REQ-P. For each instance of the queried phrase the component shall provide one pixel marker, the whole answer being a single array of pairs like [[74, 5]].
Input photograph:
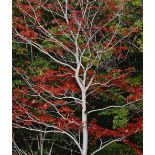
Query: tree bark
[[84, 128]]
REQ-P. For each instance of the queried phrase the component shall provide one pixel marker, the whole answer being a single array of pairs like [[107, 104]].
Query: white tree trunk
[[84, 128]]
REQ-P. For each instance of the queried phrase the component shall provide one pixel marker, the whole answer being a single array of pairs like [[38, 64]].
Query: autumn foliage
[[71, 80]]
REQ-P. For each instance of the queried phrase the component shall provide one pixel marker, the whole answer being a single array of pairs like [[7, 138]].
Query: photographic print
[[77, 77]]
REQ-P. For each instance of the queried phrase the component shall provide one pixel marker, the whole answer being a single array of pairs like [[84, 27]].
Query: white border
[[149, 77], [5, 77]]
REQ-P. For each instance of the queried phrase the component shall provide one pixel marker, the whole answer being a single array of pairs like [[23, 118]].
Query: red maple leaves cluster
[[27, 111]]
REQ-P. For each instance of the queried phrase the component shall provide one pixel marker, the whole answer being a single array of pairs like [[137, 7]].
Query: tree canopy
[[77, 77]]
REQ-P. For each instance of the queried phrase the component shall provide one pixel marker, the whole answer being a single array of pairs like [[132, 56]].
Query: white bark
[[85, 126]]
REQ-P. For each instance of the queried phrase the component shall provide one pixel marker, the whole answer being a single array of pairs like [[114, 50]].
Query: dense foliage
[[60, 47]]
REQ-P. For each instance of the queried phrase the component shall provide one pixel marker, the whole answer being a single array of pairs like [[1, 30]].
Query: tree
[[86, 41]]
